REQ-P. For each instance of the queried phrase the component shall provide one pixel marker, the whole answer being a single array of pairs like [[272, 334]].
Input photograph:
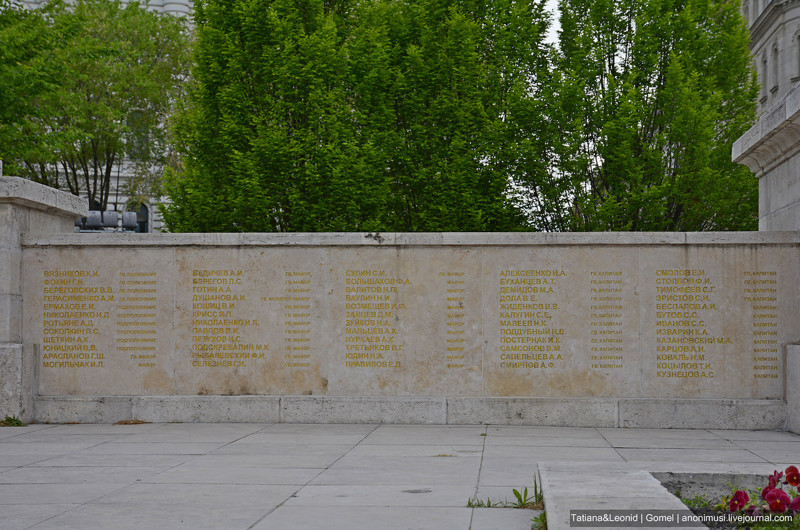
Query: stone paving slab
[[323, 429], [21, 447], [101, 428], [28, 515], [571, 486], [716, 444], [680, 434], [52, 437], [178, 436], [283, 448], [129, 516], [711, 467], [502, 494], [788, 445], [397, 495], [545, 441], [89, 460], [510, 471], [768, 436], [78, 475], [501, 518], [297, 476], [266, 438], [691, 455], [566, 433], [191, 473], [21, 459], [432, 450], [426, 471], [366, 518], [53, 493], [8, 432], [154, 448], [295, 459], [538, 453], [780, 458]]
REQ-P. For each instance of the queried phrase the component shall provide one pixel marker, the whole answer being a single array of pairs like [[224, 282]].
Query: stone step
[[605, 486]]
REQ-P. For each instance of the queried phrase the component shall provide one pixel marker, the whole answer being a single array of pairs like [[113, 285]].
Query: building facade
[[775, 46], [172, 7], [771, 148]]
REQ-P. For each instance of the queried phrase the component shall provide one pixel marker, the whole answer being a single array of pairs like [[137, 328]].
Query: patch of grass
[[475, 502], [529, 503], [523, 501], [12, 421], [539, 522], [131, 422], [698, 502]]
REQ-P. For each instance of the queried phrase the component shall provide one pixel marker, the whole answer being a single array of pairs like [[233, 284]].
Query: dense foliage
[[378, 115], [652, 94], [91, 84]]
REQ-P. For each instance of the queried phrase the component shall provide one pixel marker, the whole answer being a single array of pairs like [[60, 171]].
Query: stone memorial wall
[[482, 316], [637, 330]]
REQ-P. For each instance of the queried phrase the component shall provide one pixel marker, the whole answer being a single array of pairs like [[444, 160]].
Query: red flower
[[778, 500], [793, 475], [739, 500], [775, 478], [766, 491], [795, 505]]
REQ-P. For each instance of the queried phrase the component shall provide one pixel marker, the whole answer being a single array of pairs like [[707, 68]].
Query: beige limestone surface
[[470, 315]]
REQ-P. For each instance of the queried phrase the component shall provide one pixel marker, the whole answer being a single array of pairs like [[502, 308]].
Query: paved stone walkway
[[349, 477]]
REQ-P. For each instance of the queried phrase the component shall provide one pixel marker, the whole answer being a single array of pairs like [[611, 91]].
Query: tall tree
[[655, 92], [266, 120], [114, 72], [26, 68], [356, 115]]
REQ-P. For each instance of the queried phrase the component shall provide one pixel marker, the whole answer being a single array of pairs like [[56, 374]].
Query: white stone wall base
[[10, 380], [756, 414], [17, 380]]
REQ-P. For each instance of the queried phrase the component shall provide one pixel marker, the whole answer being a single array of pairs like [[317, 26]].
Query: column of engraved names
[[371, 316], [137, 324], [297, 319], [456, 322], [220, 317], [75, 308], [761, 295], [606, 322], [684, 303], [529, 335]]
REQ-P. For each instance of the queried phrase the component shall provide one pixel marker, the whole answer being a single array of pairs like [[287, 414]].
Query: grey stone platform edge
[[793, 388], [600, 486], [748, 414]]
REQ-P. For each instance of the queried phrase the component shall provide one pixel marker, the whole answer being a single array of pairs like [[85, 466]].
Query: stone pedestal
[[24, 207]]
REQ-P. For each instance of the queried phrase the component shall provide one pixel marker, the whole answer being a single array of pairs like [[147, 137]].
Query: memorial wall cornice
[[445, 239], [24, 192]]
